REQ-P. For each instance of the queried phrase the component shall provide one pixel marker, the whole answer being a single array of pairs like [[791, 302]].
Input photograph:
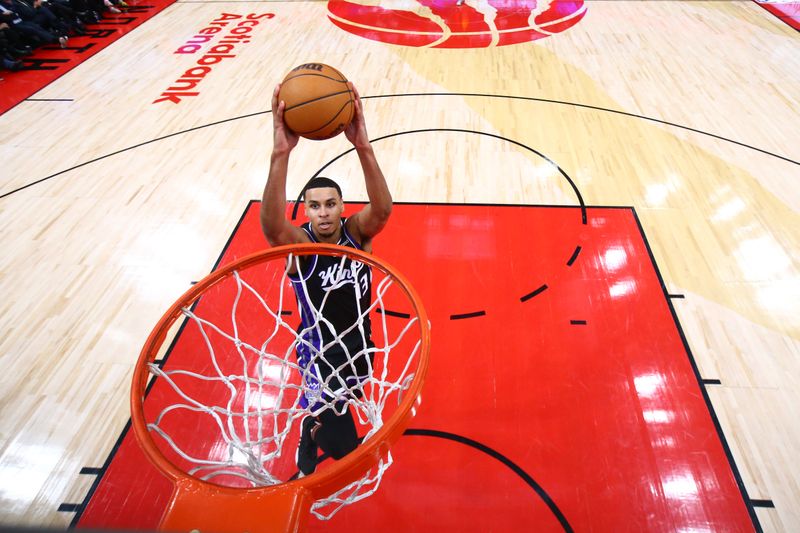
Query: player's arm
[[373, 217], [276, 228]]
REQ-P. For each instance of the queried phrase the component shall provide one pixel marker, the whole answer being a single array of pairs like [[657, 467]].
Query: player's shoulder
[[299, 234], [350, 224], [350, 229], [353, 233]]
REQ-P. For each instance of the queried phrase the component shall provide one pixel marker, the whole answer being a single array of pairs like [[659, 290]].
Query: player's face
[[324, 208]]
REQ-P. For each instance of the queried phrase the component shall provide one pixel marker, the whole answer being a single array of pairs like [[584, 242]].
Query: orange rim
[[317, 485]]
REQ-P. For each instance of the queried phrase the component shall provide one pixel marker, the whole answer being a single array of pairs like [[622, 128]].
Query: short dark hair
[[321, 182]]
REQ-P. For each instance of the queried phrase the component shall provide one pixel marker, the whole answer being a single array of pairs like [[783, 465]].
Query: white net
[[228, 402]]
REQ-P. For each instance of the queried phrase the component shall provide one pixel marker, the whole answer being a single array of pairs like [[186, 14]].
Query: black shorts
[[333, 377]]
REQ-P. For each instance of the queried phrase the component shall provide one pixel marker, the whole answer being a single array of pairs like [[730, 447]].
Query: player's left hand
[[356, 131], [283, 138]]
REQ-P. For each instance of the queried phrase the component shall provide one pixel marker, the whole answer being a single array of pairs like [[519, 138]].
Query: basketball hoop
[[222, 419]]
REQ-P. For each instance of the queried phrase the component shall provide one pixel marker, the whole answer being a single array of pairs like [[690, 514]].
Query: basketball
[[319, 103]]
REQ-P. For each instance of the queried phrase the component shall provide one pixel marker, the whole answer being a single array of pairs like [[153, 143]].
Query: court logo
[[236, 30], [446, 24]]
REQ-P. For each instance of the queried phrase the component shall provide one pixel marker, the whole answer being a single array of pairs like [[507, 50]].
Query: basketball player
[[329, 376]]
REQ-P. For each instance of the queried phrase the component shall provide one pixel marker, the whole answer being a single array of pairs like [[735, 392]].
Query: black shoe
[[14, 65], [89, 17], [306, 456]]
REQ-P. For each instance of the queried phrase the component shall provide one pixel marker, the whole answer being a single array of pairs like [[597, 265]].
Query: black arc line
[[463, 316], [533, 293], [507, 97], [396, 314], [453, 130], [592, 107], [574, 256], [416, 432], [494, 454]]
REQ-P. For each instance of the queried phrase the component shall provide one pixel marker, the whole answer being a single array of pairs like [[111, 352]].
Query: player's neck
[[330, 239], [333, 239]]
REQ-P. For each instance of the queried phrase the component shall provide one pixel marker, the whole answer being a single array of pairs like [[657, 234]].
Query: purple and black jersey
[[342, 290]]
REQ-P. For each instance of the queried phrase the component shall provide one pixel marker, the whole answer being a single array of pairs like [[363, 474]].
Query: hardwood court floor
[[686, 111]]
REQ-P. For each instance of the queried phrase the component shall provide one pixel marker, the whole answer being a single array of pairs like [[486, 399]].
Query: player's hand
[[356, 131], [283, 139]]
